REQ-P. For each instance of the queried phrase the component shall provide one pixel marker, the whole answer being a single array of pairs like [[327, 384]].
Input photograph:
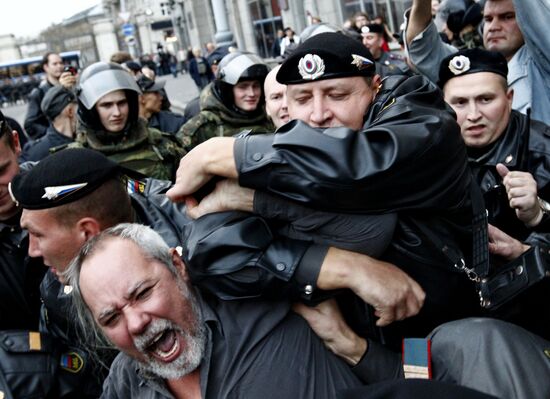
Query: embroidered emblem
[[459, 64], [311, 67], [135, 186], [71, 361], [56, 192], [361, 62]]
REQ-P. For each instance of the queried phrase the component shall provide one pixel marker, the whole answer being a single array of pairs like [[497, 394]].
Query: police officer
[[231, 103], [509, 155], [150, 107], [368, 146], [386, 63], [20, 276], [108, 113]]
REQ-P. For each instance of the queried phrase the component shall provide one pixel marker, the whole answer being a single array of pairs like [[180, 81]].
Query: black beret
[[55, 101], [469, 61], [327, 55], [372, 28], [62, 178], [148, 85]]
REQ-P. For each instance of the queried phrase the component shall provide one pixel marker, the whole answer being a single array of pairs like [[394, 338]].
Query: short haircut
[[46, 58], [109, 204], [6, 133]]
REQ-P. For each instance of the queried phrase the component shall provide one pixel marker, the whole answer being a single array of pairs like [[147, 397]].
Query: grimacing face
[[500, 30], [145, 311], [332, 102], [113, 111], [482, 105], [247, 95]]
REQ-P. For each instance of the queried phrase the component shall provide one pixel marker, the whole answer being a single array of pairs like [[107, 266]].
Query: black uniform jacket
[[409, 159], [524, 147]]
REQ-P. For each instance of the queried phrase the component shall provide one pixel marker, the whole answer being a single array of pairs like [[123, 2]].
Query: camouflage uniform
[[145, 150], [216, 119]]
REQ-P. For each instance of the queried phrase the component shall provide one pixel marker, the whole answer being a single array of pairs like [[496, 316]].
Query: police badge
[[311, 67], [361, 62], [459, 64]]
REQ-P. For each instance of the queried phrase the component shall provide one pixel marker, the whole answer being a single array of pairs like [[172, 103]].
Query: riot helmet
[[237, 67], [102, 78], [315, 29]]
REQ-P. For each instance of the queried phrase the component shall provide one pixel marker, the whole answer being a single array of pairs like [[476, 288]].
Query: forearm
[[419, 18]]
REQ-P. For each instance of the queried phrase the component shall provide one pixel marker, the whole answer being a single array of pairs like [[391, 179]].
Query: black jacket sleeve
[[409, 156], [235, 255], [36, 122]]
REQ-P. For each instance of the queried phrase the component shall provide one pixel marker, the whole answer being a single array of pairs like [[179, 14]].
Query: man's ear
[[16, 142], [87, 228], [179, 263]]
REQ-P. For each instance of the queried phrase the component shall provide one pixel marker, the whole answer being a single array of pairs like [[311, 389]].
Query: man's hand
[[521, 188], [227, 196], [214, 157], [392, 293], [67, 80], [501, 244], [327, 322]]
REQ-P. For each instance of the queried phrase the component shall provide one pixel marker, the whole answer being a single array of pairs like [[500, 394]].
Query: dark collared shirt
[[261, 350]]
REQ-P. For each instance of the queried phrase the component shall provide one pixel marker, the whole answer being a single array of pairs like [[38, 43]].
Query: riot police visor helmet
[[102, 78]]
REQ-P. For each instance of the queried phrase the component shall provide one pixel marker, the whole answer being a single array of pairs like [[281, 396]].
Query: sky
[[26, 18]]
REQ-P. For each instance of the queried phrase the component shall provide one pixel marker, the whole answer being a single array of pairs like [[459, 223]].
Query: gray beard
[[195, 341]]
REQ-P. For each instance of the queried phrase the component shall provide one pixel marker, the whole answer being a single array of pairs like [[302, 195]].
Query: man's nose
[[34, 248], [136, 320]]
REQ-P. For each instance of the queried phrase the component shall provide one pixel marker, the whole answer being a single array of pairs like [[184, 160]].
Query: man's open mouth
[[165, 345]]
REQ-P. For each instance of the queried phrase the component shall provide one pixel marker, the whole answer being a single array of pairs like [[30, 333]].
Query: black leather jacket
[[525, 147], [409, 158], [36, 122]]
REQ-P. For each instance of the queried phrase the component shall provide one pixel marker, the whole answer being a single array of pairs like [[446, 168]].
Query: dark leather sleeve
[[409, 156], [234, 255], [36, 122]]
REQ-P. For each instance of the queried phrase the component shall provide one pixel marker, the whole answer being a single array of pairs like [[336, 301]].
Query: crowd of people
[[352, 223]]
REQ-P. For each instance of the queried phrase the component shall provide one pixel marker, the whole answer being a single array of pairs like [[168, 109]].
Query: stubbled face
[[247, 95], [482, 105], [8, 169], [332, 102], [143, 309], [113, 111], [54, 67], [501, 31], [276, 106], [152, 102], [57, 244], [373, 41]]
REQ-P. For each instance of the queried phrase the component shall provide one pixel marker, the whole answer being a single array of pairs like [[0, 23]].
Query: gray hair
[[152, 247]]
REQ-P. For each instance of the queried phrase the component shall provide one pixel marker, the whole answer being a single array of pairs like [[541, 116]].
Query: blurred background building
[[145, 26]]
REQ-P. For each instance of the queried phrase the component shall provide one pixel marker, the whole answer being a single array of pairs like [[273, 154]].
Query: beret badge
[[361, 62], [311, 67], [52, 193], [459, 64]]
